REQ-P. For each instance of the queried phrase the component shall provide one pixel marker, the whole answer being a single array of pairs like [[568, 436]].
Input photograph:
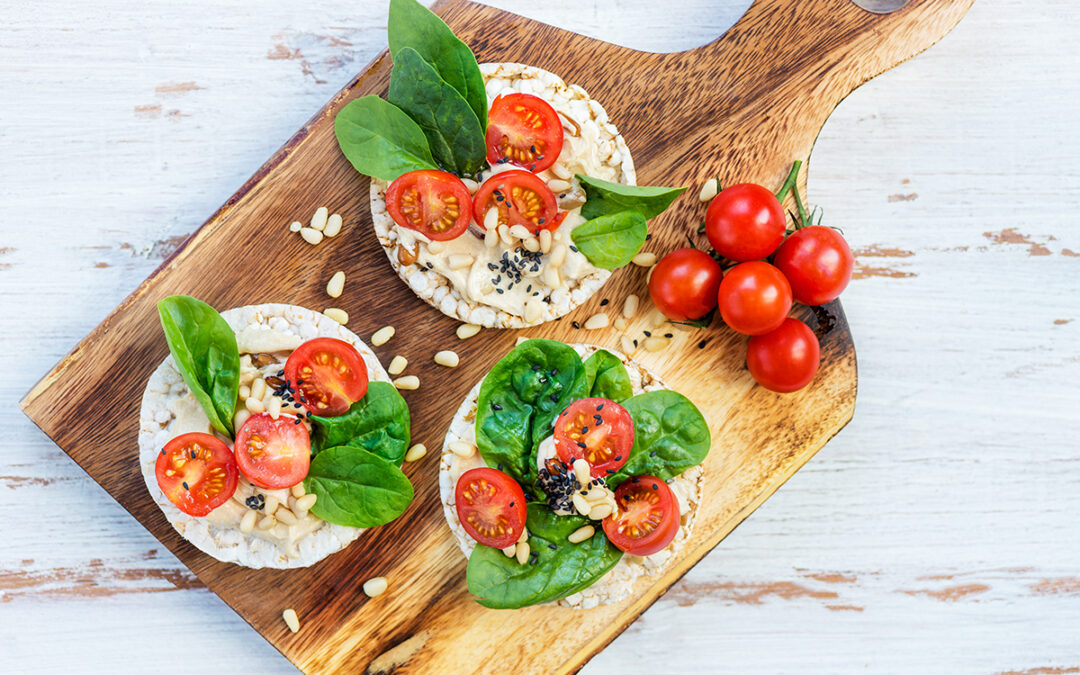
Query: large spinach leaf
[[413, 25], [378, 423], [499, 582], [357, 488], [604, 198], [380, 140], [203, 347], [519, 400], [607, 377], [612, 240], [670, 436], [452, 128]]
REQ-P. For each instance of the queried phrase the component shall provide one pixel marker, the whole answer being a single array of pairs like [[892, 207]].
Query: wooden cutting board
[[741, 108]]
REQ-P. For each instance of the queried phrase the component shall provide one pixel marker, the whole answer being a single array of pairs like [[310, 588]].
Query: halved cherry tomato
[[745, 222], [817, 261], [786, 359], [197, 472], [328, 375], [684, 284], [524, 130], [598, 429], [273, 453], [434, 203], [521, 198], [646, 516], [754, 298], [490, 506]]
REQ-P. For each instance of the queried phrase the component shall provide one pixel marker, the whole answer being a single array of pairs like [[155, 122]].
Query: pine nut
[[333, 225], [532, 311], [560, 170], [471, 185], [627, 345], [318, 221], [306, 502], [491, 238], [258, 388], [597, 321], [558, 185], [245, 391], [247, 523], [558, 255], [581, 534], [630, 306], [582, 471], [656, 318], [409, 382], [267, 522], [644, 259], [254, 405], [581, 504], [510, 550], [271, 505], [297, 490], [531, 244], [648, 275], [295, 226], [467, 330], [435, 247], [241, 416], [520, 339], [397, 365], [522, 553], [545, 241], [416, 452], [524, 535], [655, 343], [551, 276], [291, 620], [491, 219], [619, 323], [447, 358], [286, 516], [599, 512], [382, 336], [520, 232], [708, 190], [339, 315], [504, 235], [336, 285], [459, 261], [462, 449], [310, 235], [375, 586], [273, 406]]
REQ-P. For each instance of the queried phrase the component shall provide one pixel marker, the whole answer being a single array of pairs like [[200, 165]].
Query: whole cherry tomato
[[786, 359], [817, 262], [754, 298], [684, 284], [745, 222]]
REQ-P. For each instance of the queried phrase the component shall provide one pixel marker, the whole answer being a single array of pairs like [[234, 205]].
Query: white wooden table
[[937, 533]]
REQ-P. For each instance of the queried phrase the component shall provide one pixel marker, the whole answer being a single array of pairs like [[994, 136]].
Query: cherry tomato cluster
[[746, 225]]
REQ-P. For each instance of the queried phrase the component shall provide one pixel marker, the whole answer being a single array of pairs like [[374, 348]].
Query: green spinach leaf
[[604, 198], [670, 436], [413, 25], [203, 346], [607, 377], [613, 240], [378, 423], [452, 128], [499, 582], [380, 140], [357, 488], [520, 398]]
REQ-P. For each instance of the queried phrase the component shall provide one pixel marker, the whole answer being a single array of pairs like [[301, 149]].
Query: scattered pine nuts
[[291, 620], [336, 285], [409, 382], [382, 336], [273, 406], [306, 502], [532, 310], [297, 490], [254, 405], [558, 255], [295, 226], [447, 358], [630, 306], [416, 452], [597, 321], [581, 504], [462, 449], [524, 535], [627, 345], [375, 586], [247, 523], [245, 391], [708, 190], [267, 523], [286, 516], [318, 221], [459, 261], [619, 323], [520, 232], [582, 471], [311, 235], [644, 259], [470, 185], [241, 416], [531, 244], [545, 241], [581, 534], [397, 365], [558, 185], [435, 247], [258, 388], [599, 512], [491, 220], [520, 339], [333, 225], [655, 343], [509, 551], [467, 330], [339, 315], [522, 552]]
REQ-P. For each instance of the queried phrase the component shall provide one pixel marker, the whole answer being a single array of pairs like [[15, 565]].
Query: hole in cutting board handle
[[881, 6]]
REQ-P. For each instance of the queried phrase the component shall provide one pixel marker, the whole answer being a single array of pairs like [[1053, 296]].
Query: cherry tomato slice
[[684, 284], [197, 473], [646, 517], [745, 222], [786, 359], [273, 453], [490, 506], [523, 130], [818, 262], [521, 198], [434, 203], [327, 375], [598, 429], [754, 298]]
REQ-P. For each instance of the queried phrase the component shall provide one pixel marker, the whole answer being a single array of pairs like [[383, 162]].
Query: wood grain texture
[[934, 478]]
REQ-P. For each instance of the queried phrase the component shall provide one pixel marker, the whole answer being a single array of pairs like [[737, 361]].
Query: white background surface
[[937, 533]]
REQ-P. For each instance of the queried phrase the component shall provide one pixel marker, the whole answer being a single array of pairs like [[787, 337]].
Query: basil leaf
[[517, 403], [499, 582], [380, 140], [357, 488], [670, 436], [203, 347], [413, 25], [611, 241], [604, 198], [606, 376], [452, 128], [378, 423]]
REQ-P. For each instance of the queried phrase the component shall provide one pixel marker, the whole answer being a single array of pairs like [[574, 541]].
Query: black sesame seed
[[511, 504], [496, 406], [652, 454], [499, 291], [499, 466], [635, 343], [256, 502], [581, 445], [635, 480], [599, 407], [163, 451], [618, 458], [299, 382], [575, 324], [555, 398], [584, 430], [655, 486], [193, 454], [604, 302], [552, 547], [186, 486], [669, 335], [609, 471], [573, 248], [701, 345], [536, 366], [648, 334], [648, 236], [554, 372]]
